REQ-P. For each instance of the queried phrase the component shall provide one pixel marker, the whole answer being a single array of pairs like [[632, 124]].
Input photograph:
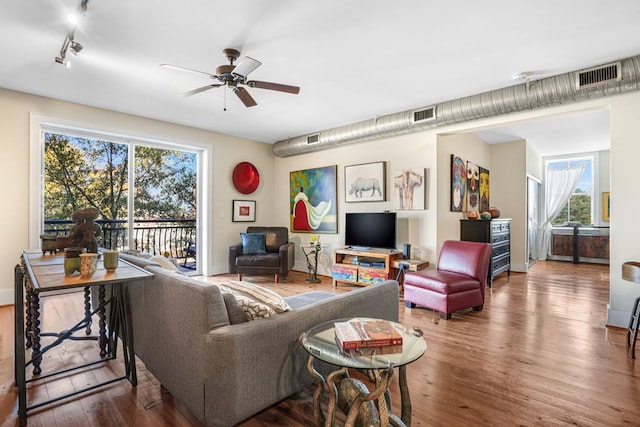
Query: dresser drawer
[[499, 265], [498, 250], [498, 238], [499, 226]]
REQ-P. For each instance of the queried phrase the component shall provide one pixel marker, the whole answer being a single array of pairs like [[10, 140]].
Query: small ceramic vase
[[110, 260], [88, 265], [72, 259]]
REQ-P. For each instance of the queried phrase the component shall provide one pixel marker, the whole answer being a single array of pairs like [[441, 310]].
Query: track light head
[[76, 47], [63, 61]]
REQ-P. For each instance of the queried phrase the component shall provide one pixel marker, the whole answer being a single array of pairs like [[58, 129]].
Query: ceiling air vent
[[425, 114], [312, 139], [598, 75]]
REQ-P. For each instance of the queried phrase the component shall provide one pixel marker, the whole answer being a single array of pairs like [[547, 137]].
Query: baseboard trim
[[7, 297], [618, 318]]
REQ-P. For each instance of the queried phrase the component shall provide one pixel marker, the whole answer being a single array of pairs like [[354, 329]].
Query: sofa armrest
[[287, 257], [234, 251], [252, 365]]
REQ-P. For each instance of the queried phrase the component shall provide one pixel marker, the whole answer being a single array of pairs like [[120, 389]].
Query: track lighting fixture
[[76, 47], [69, 42]]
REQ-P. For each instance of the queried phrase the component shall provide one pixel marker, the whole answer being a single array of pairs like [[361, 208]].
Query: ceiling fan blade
[[201, 89], [245, 97], [273, 86], [244, 67], [179, 68]]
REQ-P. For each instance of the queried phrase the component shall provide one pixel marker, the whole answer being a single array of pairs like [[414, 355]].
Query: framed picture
[[409, 189], [473, 187], [606, 206], [458, 184], [313, 201], [244, 211], [365, 182]]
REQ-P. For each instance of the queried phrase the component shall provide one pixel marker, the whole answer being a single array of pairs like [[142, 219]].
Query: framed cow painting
[[409, 189], [365, 182]]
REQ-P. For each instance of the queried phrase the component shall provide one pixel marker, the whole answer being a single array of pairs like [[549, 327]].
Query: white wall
[[509, 194], [415, 227], [15, 110], [625, 204]]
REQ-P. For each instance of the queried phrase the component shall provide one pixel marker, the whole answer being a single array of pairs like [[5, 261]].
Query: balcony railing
[[170, 237]]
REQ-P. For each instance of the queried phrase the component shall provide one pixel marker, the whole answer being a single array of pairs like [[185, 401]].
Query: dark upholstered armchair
[[458, 282], [275, 257]]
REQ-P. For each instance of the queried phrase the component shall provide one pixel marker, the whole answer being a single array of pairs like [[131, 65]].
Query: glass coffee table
[[351, 395]]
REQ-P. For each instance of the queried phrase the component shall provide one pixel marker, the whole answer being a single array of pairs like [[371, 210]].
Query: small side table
[[403, 265], [320, 343], [311, 253]]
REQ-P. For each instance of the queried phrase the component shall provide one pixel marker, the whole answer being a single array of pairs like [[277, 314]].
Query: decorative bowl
[[495, 212], [485, 216], [472, 215]]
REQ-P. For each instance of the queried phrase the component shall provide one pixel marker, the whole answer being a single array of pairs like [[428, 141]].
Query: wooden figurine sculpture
[[85, 232]]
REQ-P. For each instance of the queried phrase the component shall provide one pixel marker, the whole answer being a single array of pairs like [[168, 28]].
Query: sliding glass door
[[146, 194]]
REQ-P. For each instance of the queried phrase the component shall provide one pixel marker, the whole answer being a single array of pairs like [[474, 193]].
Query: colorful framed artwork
[[473, 187], [313, 201], [484, 188], [244, 211], [458, 184], [606, 206], [365, 182], [409, 189]]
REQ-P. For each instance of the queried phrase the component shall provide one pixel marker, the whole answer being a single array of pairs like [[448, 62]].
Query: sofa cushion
[[267, 260], [164, 262], [234, 308], [253, 243], [275, 236], [256, 301]]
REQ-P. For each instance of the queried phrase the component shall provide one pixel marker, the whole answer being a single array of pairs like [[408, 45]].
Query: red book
[[359, 333]]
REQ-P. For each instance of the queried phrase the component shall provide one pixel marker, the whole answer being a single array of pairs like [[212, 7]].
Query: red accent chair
[[458, 283]]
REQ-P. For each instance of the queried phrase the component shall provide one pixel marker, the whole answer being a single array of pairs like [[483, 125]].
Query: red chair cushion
[[443, 282]]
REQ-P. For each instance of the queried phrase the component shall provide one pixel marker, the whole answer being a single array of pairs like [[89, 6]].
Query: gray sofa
[[222, 372]]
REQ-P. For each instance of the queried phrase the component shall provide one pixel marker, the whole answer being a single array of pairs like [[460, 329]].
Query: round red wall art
[[245, 177]]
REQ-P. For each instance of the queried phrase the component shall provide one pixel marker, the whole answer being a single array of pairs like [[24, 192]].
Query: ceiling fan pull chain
[[225, 99]]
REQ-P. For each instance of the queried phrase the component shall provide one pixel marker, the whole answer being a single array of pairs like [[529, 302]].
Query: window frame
[[593, 159], [40, 123]]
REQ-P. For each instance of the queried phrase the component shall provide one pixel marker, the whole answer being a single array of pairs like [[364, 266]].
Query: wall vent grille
[[599, 75], [312, 139], [425, 114]]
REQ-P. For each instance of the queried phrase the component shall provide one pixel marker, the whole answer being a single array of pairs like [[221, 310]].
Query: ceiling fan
[[233, 76]]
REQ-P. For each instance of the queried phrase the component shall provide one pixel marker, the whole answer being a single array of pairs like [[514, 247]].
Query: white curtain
[[559, 186]]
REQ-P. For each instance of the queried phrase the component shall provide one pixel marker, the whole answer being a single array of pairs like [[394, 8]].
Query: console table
[[321, 344], [38, 274]]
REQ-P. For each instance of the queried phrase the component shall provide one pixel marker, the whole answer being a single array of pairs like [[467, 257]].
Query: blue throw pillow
[[253, 243]]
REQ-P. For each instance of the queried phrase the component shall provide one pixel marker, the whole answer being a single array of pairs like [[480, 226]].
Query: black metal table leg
[[36, 357], [19, 356], [102, 330], [87, 308], [632, 330]]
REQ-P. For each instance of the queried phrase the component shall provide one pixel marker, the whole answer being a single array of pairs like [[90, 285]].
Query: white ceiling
[[353, 60]]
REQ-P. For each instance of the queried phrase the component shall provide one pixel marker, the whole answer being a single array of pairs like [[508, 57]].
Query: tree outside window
[[579, 208]]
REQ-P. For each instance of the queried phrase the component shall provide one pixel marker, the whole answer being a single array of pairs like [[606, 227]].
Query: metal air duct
[[593, 83]]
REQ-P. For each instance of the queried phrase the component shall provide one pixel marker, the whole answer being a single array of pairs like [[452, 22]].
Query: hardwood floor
[[537, 355]]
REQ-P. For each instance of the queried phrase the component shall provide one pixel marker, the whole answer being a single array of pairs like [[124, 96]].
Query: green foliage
[[83, 172], [578, 209]]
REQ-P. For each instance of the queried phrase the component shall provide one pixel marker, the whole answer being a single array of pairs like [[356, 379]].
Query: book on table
[[366, 333]]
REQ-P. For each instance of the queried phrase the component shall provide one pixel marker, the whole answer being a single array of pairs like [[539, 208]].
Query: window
[[580, 206], [150, 206]]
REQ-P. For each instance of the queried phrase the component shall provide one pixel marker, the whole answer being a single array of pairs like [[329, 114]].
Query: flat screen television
[[367, 230]]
